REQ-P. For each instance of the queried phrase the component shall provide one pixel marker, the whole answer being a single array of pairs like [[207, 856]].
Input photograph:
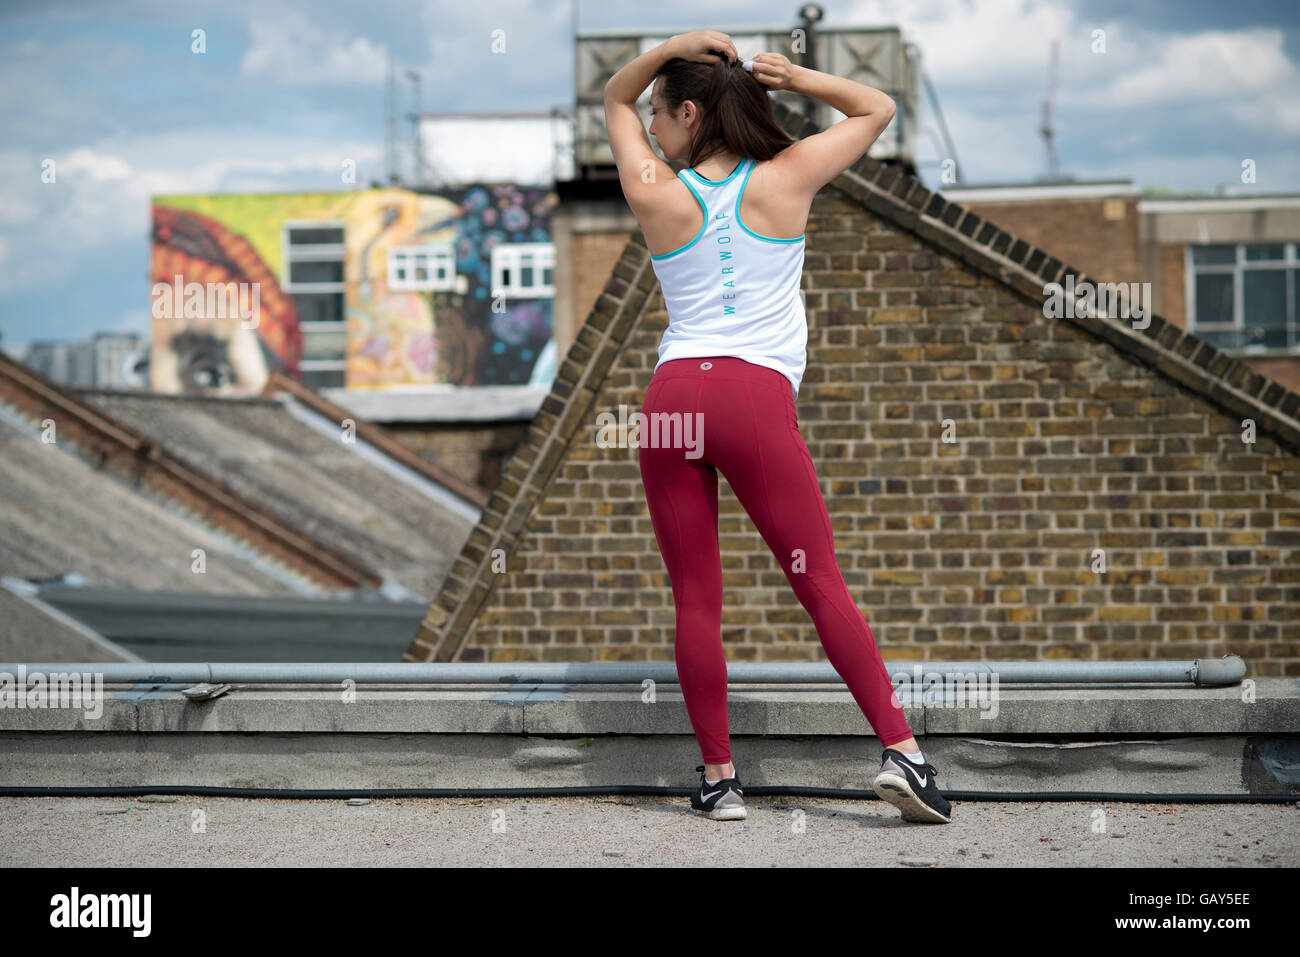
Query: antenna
[[1049, 134], [809, 15], [948, 144], [390, 125], [417, 149]]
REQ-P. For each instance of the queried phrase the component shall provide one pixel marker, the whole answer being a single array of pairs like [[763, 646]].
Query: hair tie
[[748, 65]]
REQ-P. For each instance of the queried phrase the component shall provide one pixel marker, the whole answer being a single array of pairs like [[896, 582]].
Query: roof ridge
[[148, 395], [155, 471], [376, 436]]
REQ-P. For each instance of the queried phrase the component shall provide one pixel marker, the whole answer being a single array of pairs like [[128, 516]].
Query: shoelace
[[925, 766], [734, 777]]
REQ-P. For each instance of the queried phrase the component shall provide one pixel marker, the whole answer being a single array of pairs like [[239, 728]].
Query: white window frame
[[1290, 261], [441, 259], [510, 256], [314, 252]]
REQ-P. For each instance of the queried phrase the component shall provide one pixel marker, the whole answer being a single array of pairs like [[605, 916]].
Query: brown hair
[[735, 109]]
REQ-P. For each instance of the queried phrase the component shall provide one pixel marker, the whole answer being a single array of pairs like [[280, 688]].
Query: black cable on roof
[[636, 789]]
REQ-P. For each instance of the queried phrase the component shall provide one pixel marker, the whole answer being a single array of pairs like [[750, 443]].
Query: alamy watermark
[[58, 689], [949, 689], [212, 300], [1117, 300], [657, 430], [128, 911]]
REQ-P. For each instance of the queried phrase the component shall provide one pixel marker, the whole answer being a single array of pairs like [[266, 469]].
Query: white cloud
[[989, 61], [103, 192], [1245, 73], [1269, 111], [98, 167], [1210, 65], [18, 211], [291, 49], [977, 41]]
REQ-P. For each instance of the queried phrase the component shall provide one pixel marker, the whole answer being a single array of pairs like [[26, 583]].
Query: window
[[1244, 296], [314, 275], [314, 378], [313, 258], [320, 307], [316, 234], [521, 270], [324, 344], [421, 268]]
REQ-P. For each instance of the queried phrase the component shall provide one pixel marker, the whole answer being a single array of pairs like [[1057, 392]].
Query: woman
[[726, 243]]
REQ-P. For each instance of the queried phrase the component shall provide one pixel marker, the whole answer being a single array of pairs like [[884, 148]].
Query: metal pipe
[[1202, 672]]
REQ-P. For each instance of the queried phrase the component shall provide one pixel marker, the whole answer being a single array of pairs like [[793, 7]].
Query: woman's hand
[[773, 70], [702, 46]]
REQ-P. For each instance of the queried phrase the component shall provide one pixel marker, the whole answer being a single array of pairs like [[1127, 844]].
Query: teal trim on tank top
[[740, 196], [703, 226], [717, 182]]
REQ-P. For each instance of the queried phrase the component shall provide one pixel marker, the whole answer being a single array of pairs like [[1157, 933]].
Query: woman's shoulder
[[772, 206], [773, 168]]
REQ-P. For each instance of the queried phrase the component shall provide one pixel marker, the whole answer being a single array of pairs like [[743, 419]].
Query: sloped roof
[[59, 514], [906, 204], [393, 521], [32, 630], [281, 503], [325, 406]]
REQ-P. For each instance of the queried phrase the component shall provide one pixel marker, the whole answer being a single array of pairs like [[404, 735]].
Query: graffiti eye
[[205, 372], [214, 375], [204, 361]]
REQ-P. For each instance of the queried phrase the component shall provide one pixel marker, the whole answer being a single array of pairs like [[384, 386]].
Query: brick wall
[[1077, 231], [1285, 372], [1171, 283], [594, 255], [472, 453], [1071, 436]]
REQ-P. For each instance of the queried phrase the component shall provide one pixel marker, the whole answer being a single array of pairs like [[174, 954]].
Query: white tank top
[[730, 291]]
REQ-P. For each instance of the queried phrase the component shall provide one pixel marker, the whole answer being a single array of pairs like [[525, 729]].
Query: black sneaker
[[723, 801], [911, 788]]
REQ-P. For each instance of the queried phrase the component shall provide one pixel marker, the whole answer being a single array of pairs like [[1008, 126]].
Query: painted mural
[[392, 337], [211, 350]]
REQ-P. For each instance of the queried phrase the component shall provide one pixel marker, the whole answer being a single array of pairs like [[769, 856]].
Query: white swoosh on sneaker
[[920, 776]]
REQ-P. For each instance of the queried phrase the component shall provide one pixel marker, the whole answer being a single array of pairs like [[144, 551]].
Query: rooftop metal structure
[[876, 56]]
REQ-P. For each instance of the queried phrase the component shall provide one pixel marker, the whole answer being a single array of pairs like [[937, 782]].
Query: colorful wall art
[[372, 289]]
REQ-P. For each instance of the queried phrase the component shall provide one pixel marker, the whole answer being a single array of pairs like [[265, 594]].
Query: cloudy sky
[[286, 91]]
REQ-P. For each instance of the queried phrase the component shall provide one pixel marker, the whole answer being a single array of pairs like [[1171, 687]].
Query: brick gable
[[1071, 435]]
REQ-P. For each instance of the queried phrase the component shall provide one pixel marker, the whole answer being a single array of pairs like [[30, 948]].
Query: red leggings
[[744, 423]]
